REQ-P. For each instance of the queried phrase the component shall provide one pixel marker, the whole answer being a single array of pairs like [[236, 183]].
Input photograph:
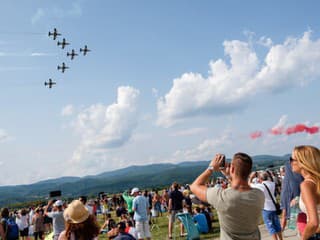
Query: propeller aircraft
[[54, 34], [50, 83], [63, 67], [72, 54], [85, 50], [63, 43]]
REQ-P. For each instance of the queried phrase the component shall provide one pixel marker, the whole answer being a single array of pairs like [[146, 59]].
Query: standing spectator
[[128, 199], [236, 205], [305, 160], [156, 203], [38, 224], [23, 223], [270, 217], [175, 206], [164, 200], [8, 232], [57, 217], [289, 191], [80, 224], [141, 212]]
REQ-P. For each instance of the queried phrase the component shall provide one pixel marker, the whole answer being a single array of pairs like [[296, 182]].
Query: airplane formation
[[71, 54]]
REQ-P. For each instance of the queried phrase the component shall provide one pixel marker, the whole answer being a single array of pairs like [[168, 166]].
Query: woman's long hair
[[86, 230], [309, 160]]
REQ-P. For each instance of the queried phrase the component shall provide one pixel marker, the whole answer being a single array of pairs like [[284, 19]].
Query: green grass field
[[160, 229]]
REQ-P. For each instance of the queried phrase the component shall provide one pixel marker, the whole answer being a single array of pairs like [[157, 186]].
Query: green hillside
[[149, 176]]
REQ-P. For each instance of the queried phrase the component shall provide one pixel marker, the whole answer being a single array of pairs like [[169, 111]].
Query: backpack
[[12, 229]]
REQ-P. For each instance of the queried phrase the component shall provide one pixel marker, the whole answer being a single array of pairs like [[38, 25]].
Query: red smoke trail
[[312, 130], [295, 129], [298, 128], [256, 134], [301, 128]]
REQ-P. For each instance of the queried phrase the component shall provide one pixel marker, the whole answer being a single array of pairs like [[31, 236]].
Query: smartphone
[[223, 162]]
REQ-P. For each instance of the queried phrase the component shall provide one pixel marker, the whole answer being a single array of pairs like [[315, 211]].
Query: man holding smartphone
[[239, 207]]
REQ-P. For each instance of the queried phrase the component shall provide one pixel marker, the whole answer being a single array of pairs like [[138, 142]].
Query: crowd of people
[[240, 198]]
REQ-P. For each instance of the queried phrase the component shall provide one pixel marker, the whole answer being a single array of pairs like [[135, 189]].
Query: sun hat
[[76, 212], [58, 203], [134, 190]]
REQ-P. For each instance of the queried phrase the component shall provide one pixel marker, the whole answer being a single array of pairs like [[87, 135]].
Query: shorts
[[172, 216], [38, 234], [143, 229], [24, 232], [272, 222], [315, 237]]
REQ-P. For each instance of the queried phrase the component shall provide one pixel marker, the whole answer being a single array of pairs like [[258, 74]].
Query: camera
[[223, 162], [55, 193]]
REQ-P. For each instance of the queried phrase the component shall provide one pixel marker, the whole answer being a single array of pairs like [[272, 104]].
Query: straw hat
[[76, 212]]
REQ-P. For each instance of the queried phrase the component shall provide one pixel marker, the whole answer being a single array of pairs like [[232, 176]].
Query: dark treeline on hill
[[145, 177]]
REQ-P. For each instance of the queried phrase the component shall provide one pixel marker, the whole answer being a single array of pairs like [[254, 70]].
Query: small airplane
[[72, 54], [85, 50], [54, 34], [63, 43], [63, 67], [50, 83]]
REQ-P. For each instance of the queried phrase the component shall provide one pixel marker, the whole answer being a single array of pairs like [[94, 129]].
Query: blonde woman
[[305, 160]]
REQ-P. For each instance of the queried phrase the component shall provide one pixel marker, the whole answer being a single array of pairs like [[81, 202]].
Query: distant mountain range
[[148, 176]]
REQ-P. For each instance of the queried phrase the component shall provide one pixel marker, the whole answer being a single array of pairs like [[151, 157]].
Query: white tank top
[[302, 206]]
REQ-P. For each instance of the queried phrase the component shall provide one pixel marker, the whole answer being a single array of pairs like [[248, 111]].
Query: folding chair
[[191, 228]]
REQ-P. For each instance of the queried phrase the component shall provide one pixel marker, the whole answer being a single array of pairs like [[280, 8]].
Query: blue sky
[[166, 81]]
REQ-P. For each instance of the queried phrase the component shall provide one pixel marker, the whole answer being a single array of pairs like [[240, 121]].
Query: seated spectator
[[131, 229], [205, 211], [106, 226], [121, 210], [113, 230], [200, 220], [122, 235]]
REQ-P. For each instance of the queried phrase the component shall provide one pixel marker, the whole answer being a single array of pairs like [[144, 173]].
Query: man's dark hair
[[175, 186], [242, 163], [265, 176], [5, 213], [121, 226], [83, 199]]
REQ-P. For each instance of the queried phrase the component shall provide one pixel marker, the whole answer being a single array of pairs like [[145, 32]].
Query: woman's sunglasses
[[292, 159]]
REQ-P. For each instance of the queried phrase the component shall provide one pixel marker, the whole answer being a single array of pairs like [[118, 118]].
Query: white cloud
[[38, 15], [41, 54], [229, 87], [264, 41], [189, 132], [105, 128], [155, 92], [74, 11], [24, 54], [67, 110], [3, 135], [280, 125], [205, 150]]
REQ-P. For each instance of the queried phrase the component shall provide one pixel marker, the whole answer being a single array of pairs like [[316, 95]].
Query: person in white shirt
[[270, 217]]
